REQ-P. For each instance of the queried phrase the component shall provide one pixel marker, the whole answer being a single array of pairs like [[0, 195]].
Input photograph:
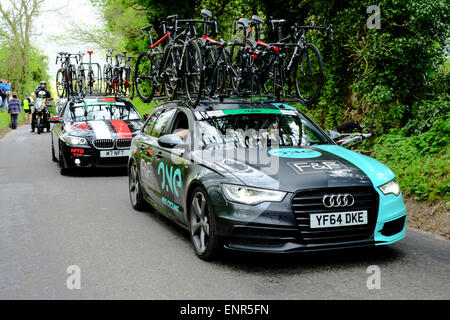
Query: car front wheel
[[202, 226]]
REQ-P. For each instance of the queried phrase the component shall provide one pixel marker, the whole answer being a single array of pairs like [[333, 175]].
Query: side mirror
[[170, 141], [334, 135], [55, 120]]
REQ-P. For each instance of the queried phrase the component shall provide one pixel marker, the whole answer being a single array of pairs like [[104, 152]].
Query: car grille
[[103, 144], [123, 143], [310, 201]]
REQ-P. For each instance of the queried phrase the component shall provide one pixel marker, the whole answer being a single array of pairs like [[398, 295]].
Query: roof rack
[[230, 99]]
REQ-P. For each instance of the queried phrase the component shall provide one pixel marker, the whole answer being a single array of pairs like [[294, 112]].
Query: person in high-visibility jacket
[[27, 107]]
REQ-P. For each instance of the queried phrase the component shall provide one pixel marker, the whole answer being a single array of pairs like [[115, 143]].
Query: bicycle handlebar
[[147, 27]]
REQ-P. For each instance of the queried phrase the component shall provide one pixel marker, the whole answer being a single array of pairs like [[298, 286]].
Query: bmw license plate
[[338, 219], [114, 153]]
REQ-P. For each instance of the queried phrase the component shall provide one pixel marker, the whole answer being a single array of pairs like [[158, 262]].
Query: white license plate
[[114, 153], [338, 219]]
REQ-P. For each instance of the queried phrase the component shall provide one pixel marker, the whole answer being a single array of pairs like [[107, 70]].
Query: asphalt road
[[49, 222]]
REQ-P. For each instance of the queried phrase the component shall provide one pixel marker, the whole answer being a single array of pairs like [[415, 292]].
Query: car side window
[[149, 124], [181, 125], [163, 122]]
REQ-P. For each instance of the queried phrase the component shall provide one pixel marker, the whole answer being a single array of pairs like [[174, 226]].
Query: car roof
[[232, 104]]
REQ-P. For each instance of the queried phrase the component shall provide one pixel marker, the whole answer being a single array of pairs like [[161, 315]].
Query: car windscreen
[[102, 111], [260, 130]]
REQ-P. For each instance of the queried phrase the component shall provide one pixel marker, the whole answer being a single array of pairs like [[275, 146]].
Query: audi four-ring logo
[[338, 200]]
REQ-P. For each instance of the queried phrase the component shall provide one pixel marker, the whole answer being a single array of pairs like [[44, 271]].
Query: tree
[[16, 17]]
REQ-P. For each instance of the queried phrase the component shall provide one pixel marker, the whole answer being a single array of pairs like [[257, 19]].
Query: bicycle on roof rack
[[284, 68], [195, 67], [149, 76], [216, 57], [88, 81], [106, 87], [66, 77]]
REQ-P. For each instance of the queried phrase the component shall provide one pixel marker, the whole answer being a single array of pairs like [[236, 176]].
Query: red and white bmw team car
[[94, 132]]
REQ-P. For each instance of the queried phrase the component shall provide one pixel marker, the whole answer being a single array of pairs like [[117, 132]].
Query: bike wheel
[[170, 73], [90, 82], [107, 82], [281, 85], [210, 71], [308, 73], [129, 83], [73, 83], [224, 81], [115, 87], [60, 84], [81, 84], [237, 61], [193, 73], [144, 77]]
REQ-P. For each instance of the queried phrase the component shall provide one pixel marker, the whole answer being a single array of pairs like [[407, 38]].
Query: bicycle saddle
[[257, 20], [206, 13], [243, 21]]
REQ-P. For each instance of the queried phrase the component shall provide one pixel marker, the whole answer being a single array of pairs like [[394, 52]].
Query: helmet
[[43, 82]]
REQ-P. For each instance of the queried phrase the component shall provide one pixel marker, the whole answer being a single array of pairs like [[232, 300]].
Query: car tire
[[64, 171], [53, 153], [134, 188], [202, 226]]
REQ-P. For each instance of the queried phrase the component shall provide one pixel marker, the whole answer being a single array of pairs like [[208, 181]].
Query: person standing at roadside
[[3, 96], [8, 92], [14, 110], [26, 104]]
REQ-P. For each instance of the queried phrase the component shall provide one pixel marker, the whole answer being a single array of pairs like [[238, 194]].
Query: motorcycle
[[42, 114]]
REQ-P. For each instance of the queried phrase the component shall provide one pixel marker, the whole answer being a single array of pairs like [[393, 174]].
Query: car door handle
[[159, 155], [142, 148]]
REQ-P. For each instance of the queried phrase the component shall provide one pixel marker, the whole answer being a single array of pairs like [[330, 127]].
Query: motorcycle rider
[[41, 92]]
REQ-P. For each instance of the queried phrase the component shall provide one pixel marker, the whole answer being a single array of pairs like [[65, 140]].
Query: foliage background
[[394, 80]]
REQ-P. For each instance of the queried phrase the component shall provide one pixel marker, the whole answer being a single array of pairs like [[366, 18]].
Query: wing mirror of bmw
[[334, 135], [55, 120], [170, 141]]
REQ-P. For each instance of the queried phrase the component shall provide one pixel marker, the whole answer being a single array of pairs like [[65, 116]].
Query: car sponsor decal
[[101, 129], [317, 166], [77, 152], [122, 129], [171, 179], [295, 153], [170, 204]]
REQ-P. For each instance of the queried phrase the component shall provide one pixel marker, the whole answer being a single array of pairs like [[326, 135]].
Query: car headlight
[[391, 187], [251, 196], [75, 140]]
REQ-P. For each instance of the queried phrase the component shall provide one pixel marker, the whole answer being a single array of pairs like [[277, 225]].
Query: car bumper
[[272, 227], [87, 157]]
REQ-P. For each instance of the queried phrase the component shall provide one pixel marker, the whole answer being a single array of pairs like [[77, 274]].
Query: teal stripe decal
[[377, 172]]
